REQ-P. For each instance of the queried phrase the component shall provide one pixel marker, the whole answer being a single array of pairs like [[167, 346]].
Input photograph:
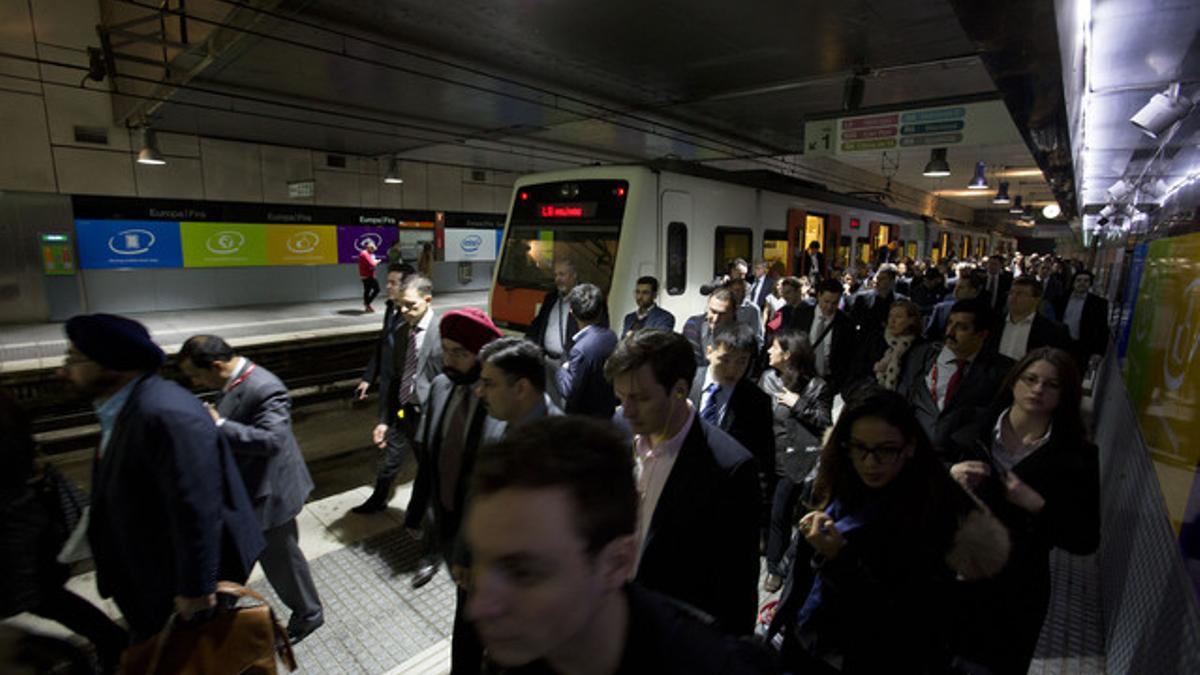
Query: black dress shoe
[[301, 630], [424, 574], [372, 505]]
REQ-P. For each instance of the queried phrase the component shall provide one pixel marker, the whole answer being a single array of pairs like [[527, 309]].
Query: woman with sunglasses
[[802, 402], [889, 533], [1033, 465]]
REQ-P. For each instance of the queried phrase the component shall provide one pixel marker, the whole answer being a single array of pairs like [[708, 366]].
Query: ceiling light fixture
[[937, 167], [1119, 190], [1001, 197], [148, 153], [979, 182], [392, 177], [1016, 207], [1162, 111], [1051, 211]]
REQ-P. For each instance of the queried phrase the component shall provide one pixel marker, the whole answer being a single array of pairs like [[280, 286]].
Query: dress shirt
[[418, 336], [1000, 451], [653, 467], [822, 350], [722, 394], [1074, 313], [1014, 342], [238, 368], [556, 328], [944, 367], [993, 288], [107, 411]]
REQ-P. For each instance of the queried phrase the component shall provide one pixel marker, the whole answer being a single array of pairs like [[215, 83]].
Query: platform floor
[[41, 345]]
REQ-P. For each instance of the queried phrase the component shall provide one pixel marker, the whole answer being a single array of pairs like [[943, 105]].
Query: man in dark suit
[[700, 501], [169, 513], [553, 328], [812, 263], [950, 384], [407, 357], [760, 285], [254, 415], [648, 314], [996, 285], [512, 384], [729, 400], [969, 285], [871, 307], [1025, 328], [1086, 317], [830, 332], [581, 380], [698, 329], [453, 426]]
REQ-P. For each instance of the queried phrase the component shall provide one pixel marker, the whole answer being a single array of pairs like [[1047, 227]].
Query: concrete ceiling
[[521, 86]]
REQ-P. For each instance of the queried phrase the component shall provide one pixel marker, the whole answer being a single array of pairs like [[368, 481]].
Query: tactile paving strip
[[373, 619]]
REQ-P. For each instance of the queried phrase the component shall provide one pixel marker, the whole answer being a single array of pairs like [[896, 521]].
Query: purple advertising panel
[[352, 239]]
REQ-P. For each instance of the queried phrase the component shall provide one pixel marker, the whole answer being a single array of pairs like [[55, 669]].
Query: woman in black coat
[[881, 355], [1031, 462], [801, 410], [889, 535]]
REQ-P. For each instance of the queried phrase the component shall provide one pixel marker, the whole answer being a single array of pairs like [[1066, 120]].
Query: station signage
[[352, 240], [977, 123], [474, 245], [223, 244], [126, 244], [302, 245]]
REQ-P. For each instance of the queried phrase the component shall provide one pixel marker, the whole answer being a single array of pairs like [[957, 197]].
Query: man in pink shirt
[[366, 271]]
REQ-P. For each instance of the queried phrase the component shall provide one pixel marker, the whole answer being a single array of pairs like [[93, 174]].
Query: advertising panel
[[302, 245], [118, 244], [352, 239], [474, 245], [1162, 374], [223, 244]]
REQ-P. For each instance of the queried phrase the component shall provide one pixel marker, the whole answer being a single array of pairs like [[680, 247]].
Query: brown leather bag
[[235, 640]]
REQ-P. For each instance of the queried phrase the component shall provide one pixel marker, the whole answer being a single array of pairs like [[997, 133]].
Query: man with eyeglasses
[[950, 383], [169, 513]]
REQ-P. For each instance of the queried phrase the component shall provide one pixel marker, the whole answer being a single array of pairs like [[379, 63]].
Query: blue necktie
[[711, 413]]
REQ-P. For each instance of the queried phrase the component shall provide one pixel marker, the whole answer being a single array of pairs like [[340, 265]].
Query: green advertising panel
[[223, 244]]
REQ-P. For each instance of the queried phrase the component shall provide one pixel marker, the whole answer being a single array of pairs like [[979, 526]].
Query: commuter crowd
[[900, 445]]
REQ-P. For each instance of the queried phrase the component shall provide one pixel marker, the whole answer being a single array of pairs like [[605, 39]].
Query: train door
[[775, 250], [676, 225]]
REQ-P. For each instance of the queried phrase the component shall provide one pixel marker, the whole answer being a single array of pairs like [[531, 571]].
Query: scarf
[[897, 346]]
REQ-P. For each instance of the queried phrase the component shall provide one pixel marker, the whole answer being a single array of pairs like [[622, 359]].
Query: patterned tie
[[711, 412], [955, 381], [408, 378]]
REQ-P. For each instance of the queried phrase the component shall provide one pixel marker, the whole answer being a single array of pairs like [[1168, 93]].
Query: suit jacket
[[758, 294], [1043, 333], [1093, 326], [935, 325], [258, 428], [498, 430], [870, 311], [841, 349], [695, 329], [383, 364], [581, 380], [656, 318], [702, 544], [169, 515], [806, 265], [537, 330], [747, 419], [975, 393], [1004, 282], [427, 486]]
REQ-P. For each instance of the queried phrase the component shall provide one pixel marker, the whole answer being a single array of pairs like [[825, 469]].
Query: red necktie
[[955, 381]]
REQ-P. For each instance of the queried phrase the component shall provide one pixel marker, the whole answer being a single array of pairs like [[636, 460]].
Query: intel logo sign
[[471, 243], [131, 242]]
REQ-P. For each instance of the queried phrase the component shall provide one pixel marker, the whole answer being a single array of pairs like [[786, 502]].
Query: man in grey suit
[[407, 358], [253, 413], [512, 384]]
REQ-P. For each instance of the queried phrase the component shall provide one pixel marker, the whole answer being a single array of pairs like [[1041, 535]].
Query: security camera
[[1108, 211], [1119, 190], [1163, 110]]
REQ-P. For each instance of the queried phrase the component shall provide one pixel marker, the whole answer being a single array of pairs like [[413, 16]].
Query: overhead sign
[[117, 244], [57, 257], [352, 240], [470, 245], [302, 245], [982, 123], [223, 244]]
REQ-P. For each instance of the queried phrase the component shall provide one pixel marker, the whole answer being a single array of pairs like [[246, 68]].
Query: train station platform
[[25, 347]]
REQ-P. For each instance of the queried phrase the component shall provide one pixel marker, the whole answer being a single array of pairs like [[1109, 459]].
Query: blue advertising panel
[[1131, 293], [115, 244]]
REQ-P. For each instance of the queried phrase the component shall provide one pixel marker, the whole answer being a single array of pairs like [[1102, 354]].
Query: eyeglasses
[[1032, 381], [884, 454]]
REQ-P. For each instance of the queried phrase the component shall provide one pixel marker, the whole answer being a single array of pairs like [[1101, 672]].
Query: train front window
[[576, 221]]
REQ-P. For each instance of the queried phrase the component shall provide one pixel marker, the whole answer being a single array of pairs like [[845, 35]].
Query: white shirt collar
[[1023, 322]]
